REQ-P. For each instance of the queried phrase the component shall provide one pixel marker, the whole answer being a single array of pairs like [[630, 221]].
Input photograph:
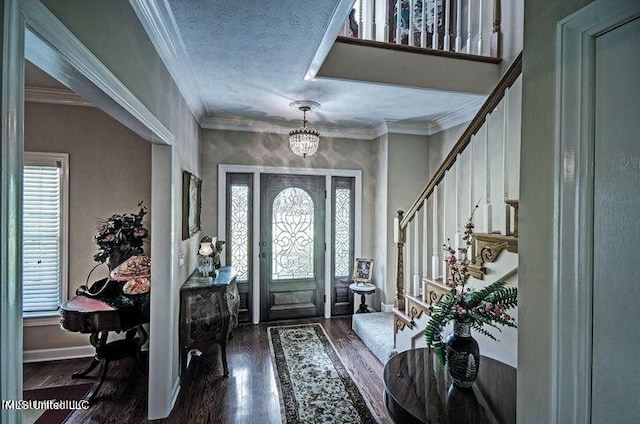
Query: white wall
[[512, 26], [535, 342]]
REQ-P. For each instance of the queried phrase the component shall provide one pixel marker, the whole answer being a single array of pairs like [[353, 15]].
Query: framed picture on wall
[[362, 270], [191, 204]]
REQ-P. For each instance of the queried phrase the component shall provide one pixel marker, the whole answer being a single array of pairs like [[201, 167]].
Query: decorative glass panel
[[240, 230], [292, 234], [342, 252]]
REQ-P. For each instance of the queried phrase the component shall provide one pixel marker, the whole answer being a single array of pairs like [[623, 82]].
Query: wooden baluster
[[425, 247], [408, 261], [480, 10], [506, 219], [458, 234], [496, 35], [435, 36], [445, 230], [386, 13], [398, 21], [416, 254], [411, 17], [472, 201], [469, 14], [458, 25], [487, 181], [371, 6], [361, 19], [447, 26], [435, 259], [399, 236], [423, 25]]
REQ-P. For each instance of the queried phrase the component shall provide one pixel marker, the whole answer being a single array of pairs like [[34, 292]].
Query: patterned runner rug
[[314, 385]]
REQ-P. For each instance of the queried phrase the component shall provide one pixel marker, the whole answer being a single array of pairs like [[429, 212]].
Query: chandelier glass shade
[[304, 141]]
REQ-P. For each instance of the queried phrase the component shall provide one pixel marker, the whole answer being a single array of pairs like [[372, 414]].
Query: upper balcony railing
[[461, 26]]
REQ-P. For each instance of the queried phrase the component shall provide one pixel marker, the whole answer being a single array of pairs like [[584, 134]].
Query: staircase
[[481, 170]]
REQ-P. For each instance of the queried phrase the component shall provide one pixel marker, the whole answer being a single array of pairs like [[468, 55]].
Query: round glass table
[[419, 390]]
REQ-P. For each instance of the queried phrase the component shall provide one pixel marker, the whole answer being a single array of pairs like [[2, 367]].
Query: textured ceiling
[[249, 59]]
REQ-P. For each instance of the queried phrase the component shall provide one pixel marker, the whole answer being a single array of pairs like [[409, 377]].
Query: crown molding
[[249, 125], [65, 57], [55, 96], [160, 25], [397, 127], [386, 126], [457, 117]]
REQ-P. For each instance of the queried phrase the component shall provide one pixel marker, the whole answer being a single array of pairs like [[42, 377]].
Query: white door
[[616, 284]]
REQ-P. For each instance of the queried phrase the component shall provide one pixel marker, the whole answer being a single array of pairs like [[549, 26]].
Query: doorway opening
[[291, 234]]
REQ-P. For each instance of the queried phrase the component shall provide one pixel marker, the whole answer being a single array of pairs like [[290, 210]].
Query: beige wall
[[441, 143], [394, 169], [382, 264], [246, 148], [109, 172], [408, 172], [535, 341]]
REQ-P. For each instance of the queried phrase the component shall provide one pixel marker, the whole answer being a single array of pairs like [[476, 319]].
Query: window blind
[[42, 238]]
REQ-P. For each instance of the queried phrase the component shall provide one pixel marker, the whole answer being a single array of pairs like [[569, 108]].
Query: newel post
[[496, 35], [399, 237]]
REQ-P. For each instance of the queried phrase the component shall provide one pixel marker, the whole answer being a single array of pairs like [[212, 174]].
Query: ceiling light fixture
[[304, 141]]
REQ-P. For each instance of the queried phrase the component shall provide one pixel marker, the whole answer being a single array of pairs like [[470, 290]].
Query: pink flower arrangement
[[123, 235], [478, 307]]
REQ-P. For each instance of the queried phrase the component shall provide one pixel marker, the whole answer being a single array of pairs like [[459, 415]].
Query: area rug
[[313, 383], [70, 393]]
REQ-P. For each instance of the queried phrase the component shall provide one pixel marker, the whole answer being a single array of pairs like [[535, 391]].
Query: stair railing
[[407, 234], [446, 25]]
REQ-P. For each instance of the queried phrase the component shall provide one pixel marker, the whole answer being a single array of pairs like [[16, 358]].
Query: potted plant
[[120, 237], [468, 308]]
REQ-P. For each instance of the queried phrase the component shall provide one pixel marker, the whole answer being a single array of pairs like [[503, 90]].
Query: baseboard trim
[[61, 353], [57, 354], [174, 393]]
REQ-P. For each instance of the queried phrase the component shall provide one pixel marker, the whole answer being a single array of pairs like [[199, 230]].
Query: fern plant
[[487, 306]]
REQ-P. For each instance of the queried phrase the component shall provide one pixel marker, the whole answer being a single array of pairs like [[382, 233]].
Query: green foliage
[[486, 307]]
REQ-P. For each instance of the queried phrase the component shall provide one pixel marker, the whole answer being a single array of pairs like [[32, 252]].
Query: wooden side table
[[419, 390], [362, 289]]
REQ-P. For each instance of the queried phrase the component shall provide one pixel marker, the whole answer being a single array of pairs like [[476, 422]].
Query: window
[[343, 217], [240, 218], [44, 226], [292, 235]]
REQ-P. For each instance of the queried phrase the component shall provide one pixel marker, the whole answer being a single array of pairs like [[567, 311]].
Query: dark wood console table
[[418, 390], [208, 313]]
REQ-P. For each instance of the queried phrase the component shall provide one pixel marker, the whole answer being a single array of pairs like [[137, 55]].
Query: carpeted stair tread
[[376, 331]]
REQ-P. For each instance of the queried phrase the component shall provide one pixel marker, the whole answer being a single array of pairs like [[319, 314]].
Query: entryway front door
[[292, 245]]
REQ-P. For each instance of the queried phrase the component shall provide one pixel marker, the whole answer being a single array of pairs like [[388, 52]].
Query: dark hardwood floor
[[249, 395]]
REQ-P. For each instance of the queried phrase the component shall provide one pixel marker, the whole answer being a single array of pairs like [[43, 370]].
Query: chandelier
[[304, 141]]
